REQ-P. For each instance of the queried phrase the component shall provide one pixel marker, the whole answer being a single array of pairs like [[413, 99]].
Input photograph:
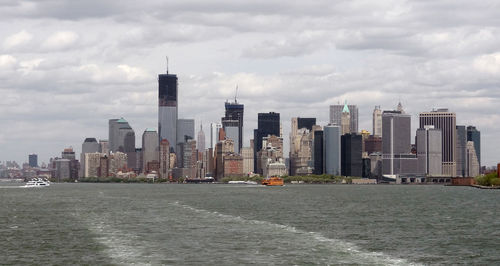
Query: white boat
[[37, 182], [243, 182]]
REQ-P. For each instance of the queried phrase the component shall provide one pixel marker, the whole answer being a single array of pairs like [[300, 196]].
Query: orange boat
[[273, 181]]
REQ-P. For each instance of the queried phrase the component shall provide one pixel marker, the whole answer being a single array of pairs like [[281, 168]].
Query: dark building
[[351, 160], [461, 151], [234, 119], [373, 144], [475, 135], [167, 108], [318, 153], [367, 168], [306, 123], [267, 124], [33, 160]]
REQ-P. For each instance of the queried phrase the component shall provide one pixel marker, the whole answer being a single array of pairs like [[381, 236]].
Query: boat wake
[[335, 250]]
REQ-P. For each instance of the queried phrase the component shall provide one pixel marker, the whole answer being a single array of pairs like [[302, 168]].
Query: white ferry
[[37, 182]]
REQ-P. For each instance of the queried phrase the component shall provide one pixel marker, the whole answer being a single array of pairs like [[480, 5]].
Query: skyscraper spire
[[346, 109]]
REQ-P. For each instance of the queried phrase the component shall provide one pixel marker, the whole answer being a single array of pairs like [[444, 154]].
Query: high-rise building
[[473, 167], [301, 145], [164, 159], [271, 152], [247, 154], [150, 149], [74, 166], [185, 130], [474, 135], [318, 153], [336, 116], [429, 151], [92, 162], [232, 123], [33, 160], [377, 121], [396, 144], [122, 139], [268, 124], [104, 146], [214, 134], [89, 145], [201, 140], [345, 120], [446, 121], [62, 169], [114, 141], [167, 108], [332, 149], [461, 151], [351, 160]]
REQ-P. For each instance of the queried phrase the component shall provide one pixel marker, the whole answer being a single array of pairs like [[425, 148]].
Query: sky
[[66, 67]]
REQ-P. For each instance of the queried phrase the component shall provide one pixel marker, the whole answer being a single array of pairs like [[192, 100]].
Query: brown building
[[104, 166], [233, 165], [164, 159], [372, 144]]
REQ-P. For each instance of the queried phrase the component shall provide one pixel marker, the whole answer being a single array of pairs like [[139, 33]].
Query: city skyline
[[62, 83]]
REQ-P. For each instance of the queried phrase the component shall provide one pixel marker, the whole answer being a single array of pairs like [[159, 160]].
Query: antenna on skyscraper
[[236, 94], [167, 63]]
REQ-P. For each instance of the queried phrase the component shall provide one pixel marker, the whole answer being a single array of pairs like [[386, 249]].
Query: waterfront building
[[445, 120], [377, 121], [267, 124], [150, 149], [118, 162], [89, 145], [396, 144], [165, 159], [351, 155], [301, 146], [233, 165], [104, 162], [472, 160], [318, 152], [232, 122], [474, 135], [429, 151], [275, 169], [336, 116], [62, 169], [272, 151], [200, 141], [168, 108], [461, 151], [33, 160], [223, 148], [92, 162], [74, 165], [247, 154], [332, 149]]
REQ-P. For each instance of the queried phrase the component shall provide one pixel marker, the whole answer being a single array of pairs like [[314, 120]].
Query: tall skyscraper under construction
[[167, 108], [232, 123]]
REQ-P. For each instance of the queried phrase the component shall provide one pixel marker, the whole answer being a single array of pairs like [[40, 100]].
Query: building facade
[[150, 149], [336, 116], [429, 151], [332, 149], [377, 121], [168, 108], [268, 124], [351, 159]]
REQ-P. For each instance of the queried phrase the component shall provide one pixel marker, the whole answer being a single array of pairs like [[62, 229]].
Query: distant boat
[[37, 182], [243, 182], [273, 181]]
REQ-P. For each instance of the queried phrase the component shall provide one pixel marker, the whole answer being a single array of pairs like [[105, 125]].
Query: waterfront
[[237, 224]]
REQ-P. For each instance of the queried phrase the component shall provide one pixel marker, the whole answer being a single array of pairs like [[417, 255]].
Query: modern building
[[318, 153], [168, 108], [62, 169], [33, 160], [74, 165], [185, 130], [165, 160], [373, 144], [332, 149], [232, 123], [336, 116], [90, 145], [429, 151], [115, 140], [396, 144], [445, 120], [268, 124], [150, 149], [474, 135], [377, 121], [351, 159], [200, 141], [473, 167], [461, 151]]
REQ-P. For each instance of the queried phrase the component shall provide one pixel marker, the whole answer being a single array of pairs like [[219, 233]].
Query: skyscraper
[[461, 152], [332, 150], [150, 149], [185, 129], [115, 141], [318, 153], [167, 108], [429, 151], [89, 145], [446, 121], [201, 140], [336, 116], [377, 122], [214, 134], [164, 159], [267, 124], [351, 160], [33, 160], [474, 135], [345, 121], [232, 123]]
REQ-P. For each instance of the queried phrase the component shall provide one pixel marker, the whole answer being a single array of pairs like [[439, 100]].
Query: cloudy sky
[[66, 67]]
